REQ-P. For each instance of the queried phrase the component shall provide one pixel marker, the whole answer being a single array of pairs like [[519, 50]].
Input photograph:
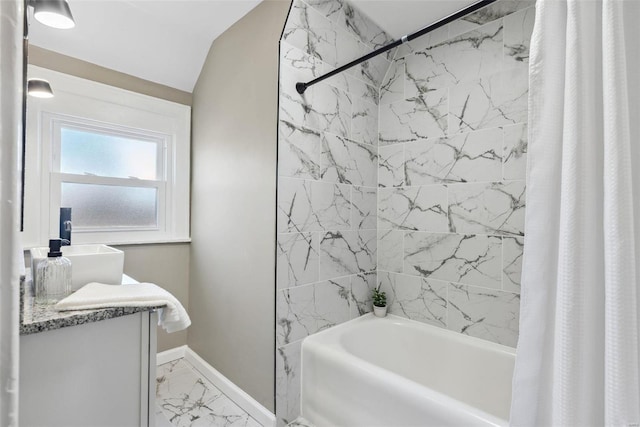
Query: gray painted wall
[[234, 125], [86, 70], [166, 265]]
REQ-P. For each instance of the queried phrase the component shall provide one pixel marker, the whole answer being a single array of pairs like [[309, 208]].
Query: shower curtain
[[11, 30], [578, 354]]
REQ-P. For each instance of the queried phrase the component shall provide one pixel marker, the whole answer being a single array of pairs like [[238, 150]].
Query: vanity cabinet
[[96, 374]]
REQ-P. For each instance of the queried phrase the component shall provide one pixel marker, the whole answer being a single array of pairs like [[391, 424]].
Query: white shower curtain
[[578, 354], [11, 30]]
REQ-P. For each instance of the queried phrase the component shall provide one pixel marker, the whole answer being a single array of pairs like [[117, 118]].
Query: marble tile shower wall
[[327, 189], [451, 175]]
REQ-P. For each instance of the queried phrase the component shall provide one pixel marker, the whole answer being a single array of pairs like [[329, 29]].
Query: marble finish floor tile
[[185, 398]]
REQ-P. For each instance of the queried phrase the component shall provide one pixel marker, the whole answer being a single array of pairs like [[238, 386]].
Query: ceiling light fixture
[[53, 13], [39, 88]]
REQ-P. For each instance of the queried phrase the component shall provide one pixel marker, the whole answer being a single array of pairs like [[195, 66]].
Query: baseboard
[[171, 355], [258, 412]]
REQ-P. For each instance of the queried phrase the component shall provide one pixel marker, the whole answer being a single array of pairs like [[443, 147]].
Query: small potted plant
[[379, 303]]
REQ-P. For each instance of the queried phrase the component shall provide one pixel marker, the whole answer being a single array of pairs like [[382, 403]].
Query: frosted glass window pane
[[100, 154], [110, 205]]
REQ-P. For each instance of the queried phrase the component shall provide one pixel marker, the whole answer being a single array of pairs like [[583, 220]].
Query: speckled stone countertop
[[36, 318]]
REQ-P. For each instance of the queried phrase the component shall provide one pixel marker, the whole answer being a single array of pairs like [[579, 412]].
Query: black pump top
[[54, 247]]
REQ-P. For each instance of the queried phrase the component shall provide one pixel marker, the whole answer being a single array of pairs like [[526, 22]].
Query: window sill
[[134, 243]]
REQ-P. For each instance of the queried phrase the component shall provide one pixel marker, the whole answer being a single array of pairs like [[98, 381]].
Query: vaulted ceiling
[[164, 41]]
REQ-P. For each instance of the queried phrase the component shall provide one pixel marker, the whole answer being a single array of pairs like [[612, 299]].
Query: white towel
[[172, 316]]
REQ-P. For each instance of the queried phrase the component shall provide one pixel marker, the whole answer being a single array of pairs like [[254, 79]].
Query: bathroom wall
[[451, 199], [86, 70], [234, 131], [165, 264], [327, 181]]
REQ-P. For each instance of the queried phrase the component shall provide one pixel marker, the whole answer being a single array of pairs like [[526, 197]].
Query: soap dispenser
[[53, 276]]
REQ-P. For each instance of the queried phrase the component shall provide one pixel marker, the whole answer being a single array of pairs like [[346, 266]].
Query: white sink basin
[[89, 263]]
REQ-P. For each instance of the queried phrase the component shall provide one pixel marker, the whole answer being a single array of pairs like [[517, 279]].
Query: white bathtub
[[397, 372]]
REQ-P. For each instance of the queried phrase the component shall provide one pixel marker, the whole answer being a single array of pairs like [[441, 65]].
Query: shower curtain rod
[[301, 87]]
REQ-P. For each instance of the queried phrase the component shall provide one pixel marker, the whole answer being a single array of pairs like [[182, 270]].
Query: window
[[113, 180], [120, 160]]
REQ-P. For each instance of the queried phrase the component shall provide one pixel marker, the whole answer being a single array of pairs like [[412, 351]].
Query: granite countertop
[[36, 318]]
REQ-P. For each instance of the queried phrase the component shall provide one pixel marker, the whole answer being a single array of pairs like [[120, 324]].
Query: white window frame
[[91, 106], [163, 157]]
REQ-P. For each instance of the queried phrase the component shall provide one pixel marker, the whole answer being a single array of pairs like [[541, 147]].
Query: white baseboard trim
[[171, 355], [232, 391]]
